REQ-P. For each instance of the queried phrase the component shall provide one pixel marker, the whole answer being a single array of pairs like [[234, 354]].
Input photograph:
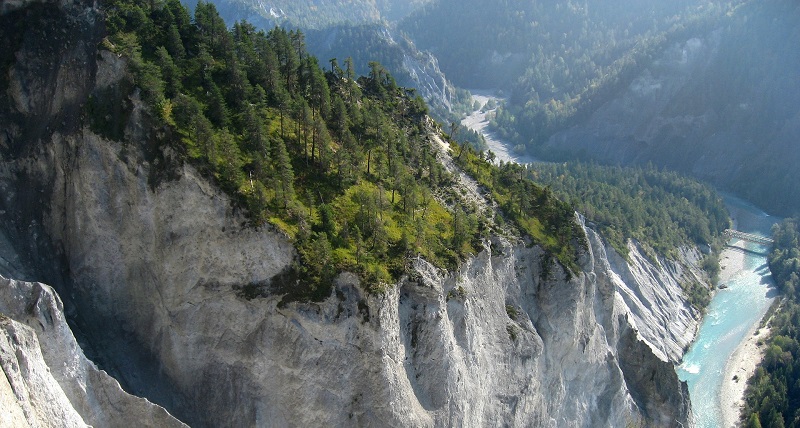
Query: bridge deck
[[731, 233]]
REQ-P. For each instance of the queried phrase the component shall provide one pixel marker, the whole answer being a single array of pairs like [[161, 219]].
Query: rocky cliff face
[[496, 343], [152, 268], [651, 294], [493, 344], [48, 381]]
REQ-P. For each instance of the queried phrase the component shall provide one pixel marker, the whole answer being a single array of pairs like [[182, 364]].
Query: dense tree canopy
[[663, 210], [536, 210], [374, 42], [341, 164]]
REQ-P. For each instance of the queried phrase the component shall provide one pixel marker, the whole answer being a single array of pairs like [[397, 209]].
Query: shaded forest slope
[[724, 107]]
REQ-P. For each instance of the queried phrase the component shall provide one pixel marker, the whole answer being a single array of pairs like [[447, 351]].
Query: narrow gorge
[[149, 266]]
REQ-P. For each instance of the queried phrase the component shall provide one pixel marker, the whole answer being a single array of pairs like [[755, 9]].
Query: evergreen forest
[[344, 165], [773, 393], [374, 42], [661, 209]]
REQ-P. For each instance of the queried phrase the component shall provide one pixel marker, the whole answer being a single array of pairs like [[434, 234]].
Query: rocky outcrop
[[28, 394], [424, 74], [652, 294], [496, 343], [411, 67], [48, 381], [152, 267]]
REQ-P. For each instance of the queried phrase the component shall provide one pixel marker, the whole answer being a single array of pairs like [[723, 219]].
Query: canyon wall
[[156, 277], [152, 262]]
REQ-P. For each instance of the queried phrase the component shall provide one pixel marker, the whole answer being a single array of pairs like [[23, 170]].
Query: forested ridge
[[343, 165], [662, 210], [317, 14], [772, 398], [517, 195]]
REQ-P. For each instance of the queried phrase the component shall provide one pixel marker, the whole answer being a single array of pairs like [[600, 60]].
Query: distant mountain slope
[[411, 67], [556, 58], [315, 14], [491, 44], [724, 107]]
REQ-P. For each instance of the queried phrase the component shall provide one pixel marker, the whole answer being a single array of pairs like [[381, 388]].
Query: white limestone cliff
[[48, 381], [495, 343]]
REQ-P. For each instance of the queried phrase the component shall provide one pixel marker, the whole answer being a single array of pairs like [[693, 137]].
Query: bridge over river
[[732, 233]]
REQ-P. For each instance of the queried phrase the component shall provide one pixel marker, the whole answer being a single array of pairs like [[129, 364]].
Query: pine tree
[[284, 101], [174, 43], [229, 163], [287, 57], [169, 72], [285, 172], [321, 142], [303, 117], [754, 421], [255, 132], [217, 109]]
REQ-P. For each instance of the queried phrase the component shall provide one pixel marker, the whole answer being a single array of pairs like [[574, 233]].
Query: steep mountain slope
[[529, 349], [722, 107], [155, 263], [554, 46], [343, 33], [411, 67], [726, 113], [556, 59], [315, 14]]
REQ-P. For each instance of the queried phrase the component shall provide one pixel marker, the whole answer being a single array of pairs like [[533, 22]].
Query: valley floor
[[743, 362], [478, 121], [742, 365]]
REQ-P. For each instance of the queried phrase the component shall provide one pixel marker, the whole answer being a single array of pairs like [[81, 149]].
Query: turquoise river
[[733, 313]]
